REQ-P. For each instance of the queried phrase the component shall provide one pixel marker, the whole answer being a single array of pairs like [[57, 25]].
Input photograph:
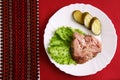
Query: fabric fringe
[[38, 60]]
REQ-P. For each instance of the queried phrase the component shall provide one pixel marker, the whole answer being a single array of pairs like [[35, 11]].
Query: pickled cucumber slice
[[95, 26], [87, 18], [77, 16]]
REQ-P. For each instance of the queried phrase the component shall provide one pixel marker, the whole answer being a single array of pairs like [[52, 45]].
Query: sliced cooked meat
[[84, 47]]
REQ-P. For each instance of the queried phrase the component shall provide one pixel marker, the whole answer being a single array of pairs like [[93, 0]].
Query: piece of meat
[[84, 47]]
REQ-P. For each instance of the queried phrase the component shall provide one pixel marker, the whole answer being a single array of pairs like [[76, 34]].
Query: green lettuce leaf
[[59, 46]]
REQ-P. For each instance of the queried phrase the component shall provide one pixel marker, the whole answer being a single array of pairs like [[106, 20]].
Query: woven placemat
[[19, 40]]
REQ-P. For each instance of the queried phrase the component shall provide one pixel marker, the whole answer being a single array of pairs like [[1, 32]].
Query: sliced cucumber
[[95, 26], [77, 16], [87, 18]]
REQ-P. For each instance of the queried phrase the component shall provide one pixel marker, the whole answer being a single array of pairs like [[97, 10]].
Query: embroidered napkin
[[19, 40]]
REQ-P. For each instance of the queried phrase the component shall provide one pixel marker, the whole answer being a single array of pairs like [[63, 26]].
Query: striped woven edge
[[19, 40], [1, 40]]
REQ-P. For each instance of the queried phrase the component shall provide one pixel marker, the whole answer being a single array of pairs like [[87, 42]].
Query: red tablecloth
[[48, 71]]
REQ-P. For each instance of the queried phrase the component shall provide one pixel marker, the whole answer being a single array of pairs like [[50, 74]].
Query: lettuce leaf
[[59, 46]]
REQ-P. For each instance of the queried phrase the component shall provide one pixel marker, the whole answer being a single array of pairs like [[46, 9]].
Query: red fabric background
[[48, 71]]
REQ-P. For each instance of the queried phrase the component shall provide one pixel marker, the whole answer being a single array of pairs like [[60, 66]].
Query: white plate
[[108, 37]]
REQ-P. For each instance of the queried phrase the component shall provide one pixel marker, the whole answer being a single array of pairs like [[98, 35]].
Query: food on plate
[[95, 26], [77, 16], [72, 46], [59, 46], [86, 19], [84, 47]]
